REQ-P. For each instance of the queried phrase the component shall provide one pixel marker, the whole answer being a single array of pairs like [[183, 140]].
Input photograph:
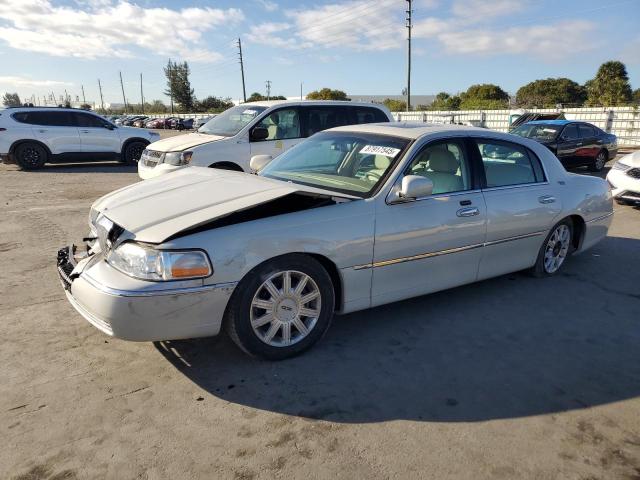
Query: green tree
[[157, 106], [550, 92], [444, 101], [179, 86], [636, 96], [213, 104], [11, 100], [610, 86], [484, 96], [395, 105], [258, 97], [327, 94]]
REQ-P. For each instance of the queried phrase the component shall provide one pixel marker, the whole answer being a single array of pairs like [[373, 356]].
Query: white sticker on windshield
[[379, 150], [249, 112]]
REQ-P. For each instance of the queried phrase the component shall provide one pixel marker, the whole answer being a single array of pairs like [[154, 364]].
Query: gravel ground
[[513, 377]]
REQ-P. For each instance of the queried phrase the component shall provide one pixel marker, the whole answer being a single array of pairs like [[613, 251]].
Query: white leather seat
[[443, 169]]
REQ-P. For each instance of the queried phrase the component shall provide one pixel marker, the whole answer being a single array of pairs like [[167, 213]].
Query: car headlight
[[620, 166], [178, 158], [147, 263]]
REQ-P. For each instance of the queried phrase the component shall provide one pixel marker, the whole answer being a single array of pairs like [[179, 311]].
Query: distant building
[[415, 99]]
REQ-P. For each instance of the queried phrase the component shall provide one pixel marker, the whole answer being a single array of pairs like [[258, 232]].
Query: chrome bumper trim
[[229, 286]]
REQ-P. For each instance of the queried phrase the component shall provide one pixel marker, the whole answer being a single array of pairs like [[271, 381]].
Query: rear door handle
[[468, 212], [579, 144], [84, 131], [546, 199]]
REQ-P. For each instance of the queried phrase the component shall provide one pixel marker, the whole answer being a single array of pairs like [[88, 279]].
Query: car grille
[[634, 173], [150, 158]]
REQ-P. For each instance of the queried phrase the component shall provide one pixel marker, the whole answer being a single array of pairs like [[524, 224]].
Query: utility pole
[[141, 94], [244, 92], [409, 55], [268, 84], [123, 97], [300, 90], [101, 99], [84, 100]]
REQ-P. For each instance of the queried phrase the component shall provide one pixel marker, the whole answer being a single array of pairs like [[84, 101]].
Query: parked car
[[139, 122], [273, 256], [155, 123], [183, 124], [624, 179], [33, 136], [576, 144], [259, 128], [201, 121]]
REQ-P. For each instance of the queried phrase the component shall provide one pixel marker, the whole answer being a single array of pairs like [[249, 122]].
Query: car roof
[[551, 122], [410, 130], [274, 103]]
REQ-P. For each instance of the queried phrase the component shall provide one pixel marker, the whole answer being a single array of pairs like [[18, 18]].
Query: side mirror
[[258, 133], [415, 186], [258, 162]]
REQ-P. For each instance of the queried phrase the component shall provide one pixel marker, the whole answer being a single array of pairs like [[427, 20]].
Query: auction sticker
[[379, 150]]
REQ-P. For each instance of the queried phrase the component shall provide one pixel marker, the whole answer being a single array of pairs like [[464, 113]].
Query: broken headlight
[[147, 263]]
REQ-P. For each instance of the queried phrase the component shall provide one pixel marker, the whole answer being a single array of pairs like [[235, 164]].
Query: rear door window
[[507, 163], [370, 115], [586, 131], [570, 133], [318, 119], [45, 118]]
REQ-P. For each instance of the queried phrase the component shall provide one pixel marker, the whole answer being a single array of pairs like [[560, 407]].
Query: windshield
[[347, 162], [231, 121], [540, 132]]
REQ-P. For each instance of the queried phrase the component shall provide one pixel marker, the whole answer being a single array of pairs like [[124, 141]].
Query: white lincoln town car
[[352, 218]]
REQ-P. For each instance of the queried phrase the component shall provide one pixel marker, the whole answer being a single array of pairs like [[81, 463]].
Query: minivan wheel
[[132, 152], [555, 249], [30, 156], [281, 308], [599, 162]]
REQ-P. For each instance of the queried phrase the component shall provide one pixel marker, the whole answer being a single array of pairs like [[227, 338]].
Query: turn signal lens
[[188, 264]]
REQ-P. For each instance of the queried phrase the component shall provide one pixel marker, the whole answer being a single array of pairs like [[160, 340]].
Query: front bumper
[[141, 311], [624, 187], [151, 171]]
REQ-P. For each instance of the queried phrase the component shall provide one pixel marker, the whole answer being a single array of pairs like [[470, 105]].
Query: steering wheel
[[371, 175]]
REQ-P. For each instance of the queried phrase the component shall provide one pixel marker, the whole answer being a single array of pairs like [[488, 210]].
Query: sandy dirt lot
[[509, 378]]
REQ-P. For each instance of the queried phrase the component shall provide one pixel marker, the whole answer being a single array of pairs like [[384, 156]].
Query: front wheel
[[555, 249], [599, 162], [132, 152], [281, 308]]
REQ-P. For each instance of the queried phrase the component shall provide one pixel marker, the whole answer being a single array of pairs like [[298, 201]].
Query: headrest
[[275, 118], [382, 162], [443, 161]]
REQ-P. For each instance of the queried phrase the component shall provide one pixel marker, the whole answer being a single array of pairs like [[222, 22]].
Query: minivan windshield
[[231, 121], [354, 163], [538, 131]]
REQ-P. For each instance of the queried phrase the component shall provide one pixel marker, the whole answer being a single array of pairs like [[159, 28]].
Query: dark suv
[[575, 143]]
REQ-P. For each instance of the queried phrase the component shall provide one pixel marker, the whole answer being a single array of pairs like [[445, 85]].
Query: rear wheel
[[30, 156], [555, 249], [281, 308], [132, 152], [599, 162]]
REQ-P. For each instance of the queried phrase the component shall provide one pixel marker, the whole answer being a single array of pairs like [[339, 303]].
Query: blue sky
[[358, 46]]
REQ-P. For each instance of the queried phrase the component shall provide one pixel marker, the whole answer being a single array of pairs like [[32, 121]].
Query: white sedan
[[352, 218], [624, 178]]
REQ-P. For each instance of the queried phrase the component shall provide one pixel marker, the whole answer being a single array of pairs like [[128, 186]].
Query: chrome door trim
[[520, 185], [421, 256]]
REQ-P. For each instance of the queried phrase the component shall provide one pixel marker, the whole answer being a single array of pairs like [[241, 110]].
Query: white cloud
[[24, 82], [102, 28], [478, 10], [268, 5]]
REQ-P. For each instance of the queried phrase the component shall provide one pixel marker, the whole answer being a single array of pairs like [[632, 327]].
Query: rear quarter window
[[370, 115]]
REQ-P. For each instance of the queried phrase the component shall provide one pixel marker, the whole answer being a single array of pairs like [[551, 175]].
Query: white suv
[[33, 136], [230, 139]]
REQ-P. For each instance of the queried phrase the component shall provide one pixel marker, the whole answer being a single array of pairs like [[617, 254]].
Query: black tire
[[599, 162], [31, 156], [132, 152], [238, 315], [540, 269]]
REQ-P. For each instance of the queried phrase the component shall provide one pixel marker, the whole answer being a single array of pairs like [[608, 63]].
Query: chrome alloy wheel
[[285, 308], [557, 248], [601, 160]]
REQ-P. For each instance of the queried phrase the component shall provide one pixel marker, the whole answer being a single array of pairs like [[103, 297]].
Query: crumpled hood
[[153, 210], [632, 159], [183, 142]]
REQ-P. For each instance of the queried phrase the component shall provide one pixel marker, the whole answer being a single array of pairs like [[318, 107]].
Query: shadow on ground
[[509, 347], [87, 167]]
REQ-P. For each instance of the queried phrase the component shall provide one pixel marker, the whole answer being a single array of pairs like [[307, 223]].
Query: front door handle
[[468, 212], [546, 199]]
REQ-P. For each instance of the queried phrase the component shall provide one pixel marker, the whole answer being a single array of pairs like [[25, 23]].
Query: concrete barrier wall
[[624, 122]]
